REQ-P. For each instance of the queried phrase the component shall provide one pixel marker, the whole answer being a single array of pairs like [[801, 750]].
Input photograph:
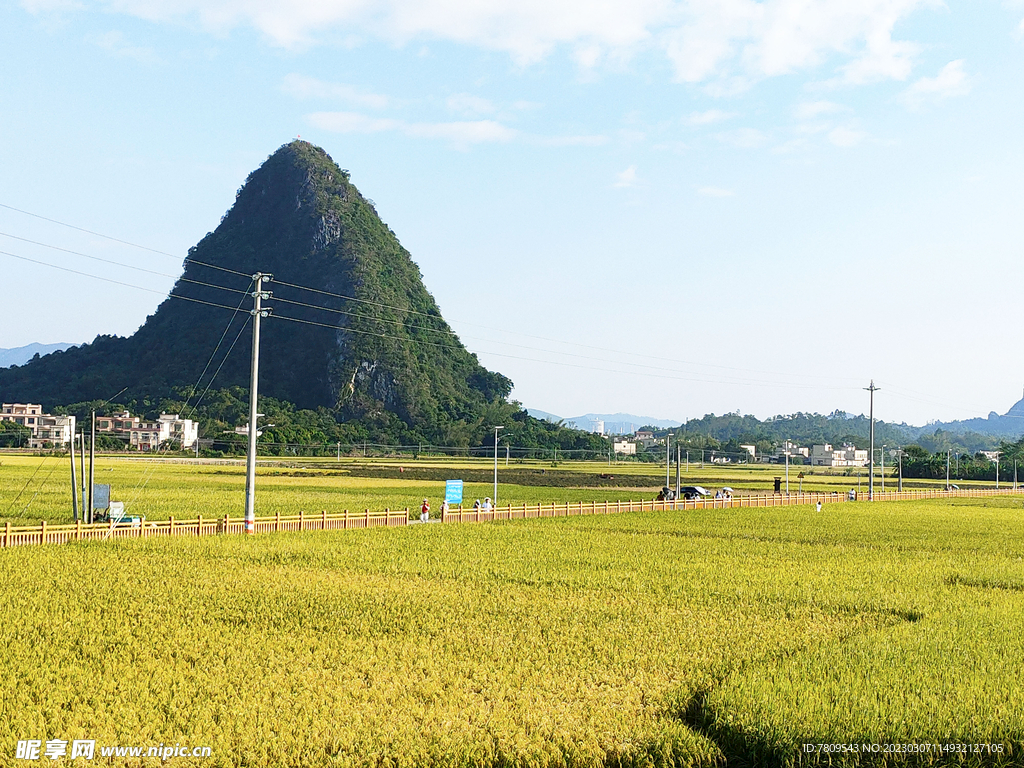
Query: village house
[[46, 430], [149, 435], [845, 456]]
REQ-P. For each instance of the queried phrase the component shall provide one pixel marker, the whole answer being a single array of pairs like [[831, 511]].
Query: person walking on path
[[425, 511], [487, 504]]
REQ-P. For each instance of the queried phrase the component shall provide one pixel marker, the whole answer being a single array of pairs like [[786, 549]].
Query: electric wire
[[558, 362], [223, 360], [416, 312], [277, 298], [541, 338], [41, 486], [432, 315], [115, 282], [118, 240], [215, 350], [27, 482], [120, 264]]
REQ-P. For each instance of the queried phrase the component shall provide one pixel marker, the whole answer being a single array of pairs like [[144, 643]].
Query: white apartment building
[[845, 456], [150, 435], [624, 447], [47, 431], [792, 449]]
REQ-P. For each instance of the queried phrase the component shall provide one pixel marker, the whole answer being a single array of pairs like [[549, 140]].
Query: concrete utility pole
[[997, 471], [81, 459], [679, 485], [668, 456], [74, 481], [494, 499], [787, 467], [899, 455], [871, 451], [947, 469], [92, 467], [881, 456], [258, 312]]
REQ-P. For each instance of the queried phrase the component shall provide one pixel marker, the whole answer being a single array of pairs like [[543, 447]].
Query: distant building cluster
[[46, 430], [49, 431], [150, 435], [844, 456]]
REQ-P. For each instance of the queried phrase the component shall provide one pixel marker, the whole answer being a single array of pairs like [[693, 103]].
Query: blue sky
[[667, 208]]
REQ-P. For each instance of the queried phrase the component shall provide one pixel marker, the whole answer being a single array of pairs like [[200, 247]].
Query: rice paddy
[[700, 638]]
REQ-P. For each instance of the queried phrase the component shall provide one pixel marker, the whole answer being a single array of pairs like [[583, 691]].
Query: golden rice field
[[713, 637], [34, 488]]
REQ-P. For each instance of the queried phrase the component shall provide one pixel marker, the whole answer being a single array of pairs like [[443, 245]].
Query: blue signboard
[[453, 491]]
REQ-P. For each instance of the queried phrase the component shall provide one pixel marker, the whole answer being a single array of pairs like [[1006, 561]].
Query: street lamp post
[[494, 501]]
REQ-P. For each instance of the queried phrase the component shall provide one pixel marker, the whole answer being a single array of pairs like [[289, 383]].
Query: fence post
[[301, 520], [323, 520], [199, 528], [366, 524], [78, 529], [225, 528], [170, 528], [277, 521], [7, 534], [42, 532]]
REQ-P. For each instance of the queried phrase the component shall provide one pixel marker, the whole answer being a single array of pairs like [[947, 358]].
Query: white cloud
[[714, 192], [727, 44], [302, 87], [812, 109], [469, 105], [461, 133], [627, 178], [951, 81], [744, 138], [117, 44], [353, 122], [50, 6], [466, 132], [572, 141], [845, 137], [708, 117]]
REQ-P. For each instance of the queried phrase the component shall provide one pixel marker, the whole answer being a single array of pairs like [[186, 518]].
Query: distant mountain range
[[614, 423], [1008, 425], [21, 355]]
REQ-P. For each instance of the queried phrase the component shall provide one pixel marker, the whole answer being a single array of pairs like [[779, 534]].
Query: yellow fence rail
[[11, 536], [570, 509]]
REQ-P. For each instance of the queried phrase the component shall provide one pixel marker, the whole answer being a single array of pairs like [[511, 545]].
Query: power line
[[118, 240], [215, 373], [116, 282], [214, 354], [558, 362], [542, 338], [435, 315], [120, 264]]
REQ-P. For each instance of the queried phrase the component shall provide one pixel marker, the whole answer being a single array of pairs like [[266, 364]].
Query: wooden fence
[[324, 521], [570, 509], [60, 534]]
